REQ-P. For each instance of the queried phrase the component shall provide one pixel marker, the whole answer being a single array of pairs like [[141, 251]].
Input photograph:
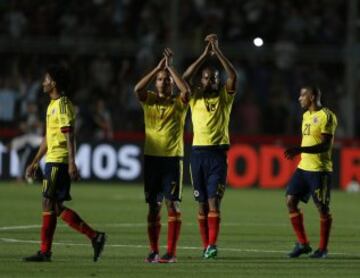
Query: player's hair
[[210, 68], [60, 74], [164, 70], [314, 89]]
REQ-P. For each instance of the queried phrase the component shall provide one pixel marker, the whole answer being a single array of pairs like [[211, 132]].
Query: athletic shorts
[[304, 184], [162, 178], [208, 170], [56, 182]]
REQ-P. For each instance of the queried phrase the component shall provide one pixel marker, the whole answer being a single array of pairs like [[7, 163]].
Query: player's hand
[[73, 172], [31, 170], [211, 37], [292, 152], [168, 54]]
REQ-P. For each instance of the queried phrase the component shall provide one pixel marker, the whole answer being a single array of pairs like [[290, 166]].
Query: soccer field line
[[13, 240], [130, 225]]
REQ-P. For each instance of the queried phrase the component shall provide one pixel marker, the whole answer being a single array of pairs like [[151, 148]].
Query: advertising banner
[[263, 166]]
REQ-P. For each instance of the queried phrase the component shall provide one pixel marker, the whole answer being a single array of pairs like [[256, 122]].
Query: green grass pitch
[[254, 240]]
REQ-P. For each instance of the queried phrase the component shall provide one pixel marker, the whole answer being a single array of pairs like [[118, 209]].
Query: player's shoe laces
[[167, 258], [211, 252], [153, 257], [39, 257], [319, 254], [98, 243], [300, 249]]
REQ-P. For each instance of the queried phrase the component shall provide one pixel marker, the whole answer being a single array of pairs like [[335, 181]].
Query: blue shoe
[[299, 249], [211, 252], [319, 254]]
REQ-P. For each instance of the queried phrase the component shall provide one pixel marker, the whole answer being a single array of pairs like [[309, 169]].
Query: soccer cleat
[[98, 243], [211, 252], [153, 257], [167, 258], [39, 257], [299, 249], [319, 254]]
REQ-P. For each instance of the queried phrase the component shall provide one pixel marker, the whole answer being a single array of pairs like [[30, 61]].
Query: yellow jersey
[[211, 117], [164, 125], [60, 114], [314, 124]]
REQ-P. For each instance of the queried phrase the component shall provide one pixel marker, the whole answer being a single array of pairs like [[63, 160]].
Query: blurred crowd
[[305, 21], [102, 83]]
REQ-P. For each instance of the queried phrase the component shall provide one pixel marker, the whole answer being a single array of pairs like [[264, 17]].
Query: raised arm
[[194, 67], [180, 82], [30, 170], [229, 68], [140, 87]]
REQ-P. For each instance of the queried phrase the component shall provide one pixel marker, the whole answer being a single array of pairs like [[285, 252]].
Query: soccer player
[[210, 104], [313, 175], [164, 114], [60, 168]]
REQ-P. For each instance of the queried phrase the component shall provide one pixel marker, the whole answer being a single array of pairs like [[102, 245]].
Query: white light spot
[[258, 42]]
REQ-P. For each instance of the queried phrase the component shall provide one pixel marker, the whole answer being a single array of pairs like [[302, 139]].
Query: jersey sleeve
[[66, 115], [328, 124]]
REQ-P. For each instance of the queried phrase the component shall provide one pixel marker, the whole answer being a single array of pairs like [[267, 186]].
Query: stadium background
[[109, 45]]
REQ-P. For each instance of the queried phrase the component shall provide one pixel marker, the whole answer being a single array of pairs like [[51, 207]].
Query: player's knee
[[172, 206], [203, 208], [291, 203], [214, 204], [59, 208], [323, 209], [48, 204], [154, 208]]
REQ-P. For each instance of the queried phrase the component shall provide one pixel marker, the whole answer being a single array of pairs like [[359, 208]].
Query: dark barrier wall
[[248, 165]]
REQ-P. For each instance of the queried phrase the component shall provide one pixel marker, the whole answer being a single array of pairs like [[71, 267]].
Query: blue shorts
[[56, 182], [208, 170], [162, 178], [304, 184]]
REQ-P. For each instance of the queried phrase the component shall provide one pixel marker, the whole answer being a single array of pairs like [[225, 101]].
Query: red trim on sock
[[75, 222], [47, 231], [297, 221], [204, 229], [325, 228], [214, 226], [153, 230]]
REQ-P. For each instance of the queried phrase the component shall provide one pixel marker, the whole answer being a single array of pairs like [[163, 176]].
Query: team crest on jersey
[[196, 193], [53, 111], [315, 120]]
